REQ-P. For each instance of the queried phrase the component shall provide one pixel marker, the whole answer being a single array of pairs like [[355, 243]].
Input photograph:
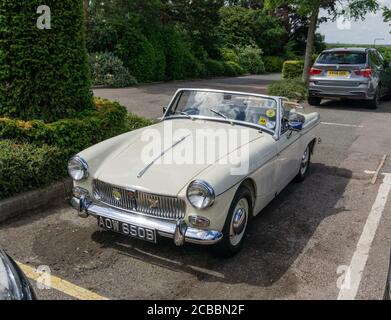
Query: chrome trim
[[169, 207], [207, 187], [163, 227], [141, 173], [84, 165]]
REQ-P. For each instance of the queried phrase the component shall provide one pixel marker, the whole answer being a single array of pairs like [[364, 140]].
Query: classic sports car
[[167, 180]]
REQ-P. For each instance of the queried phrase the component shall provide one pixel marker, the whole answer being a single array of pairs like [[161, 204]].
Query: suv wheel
[[314, 101], [375, 102]]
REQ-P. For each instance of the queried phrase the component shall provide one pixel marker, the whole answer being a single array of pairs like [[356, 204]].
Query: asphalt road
[[298, 248]]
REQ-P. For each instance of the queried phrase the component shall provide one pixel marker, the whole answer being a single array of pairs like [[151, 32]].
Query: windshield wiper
[[222, 115]]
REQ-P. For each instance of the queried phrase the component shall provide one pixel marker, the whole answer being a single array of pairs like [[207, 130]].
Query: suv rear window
[[342, 57]]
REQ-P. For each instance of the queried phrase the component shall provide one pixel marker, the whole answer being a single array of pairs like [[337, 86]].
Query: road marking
[[342, 125], [61, 285], [360, 256]]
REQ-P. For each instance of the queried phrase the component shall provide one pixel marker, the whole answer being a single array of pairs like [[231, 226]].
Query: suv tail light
[[366, 73], [315, 72]]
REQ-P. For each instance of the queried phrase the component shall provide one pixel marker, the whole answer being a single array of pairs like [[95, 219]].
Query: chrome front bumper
[[179, 231]]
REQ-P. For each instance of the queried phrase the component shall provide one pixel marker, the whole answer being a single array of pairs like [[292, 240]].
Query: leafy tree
[[353, 9], [43, 72], [242, 27]]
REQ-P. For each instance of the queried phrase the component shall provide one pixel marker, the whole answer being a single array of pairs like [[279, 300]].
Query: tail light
[[366, 73], [315, 72]]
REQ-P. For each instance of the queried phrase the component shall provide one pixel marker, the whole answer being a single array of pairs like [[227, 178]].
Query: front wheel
[[235, 227], [304, 165]]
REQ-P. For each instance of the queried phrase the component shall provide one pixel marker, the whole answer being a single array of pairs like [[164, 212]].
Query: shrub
[[24, 167], [273, 64], [229, 55], [134, 122], [108, 70], [291, 88], [292, 69], [43, 73], [214, 67], [250, 59], [233, 69], [72, 135]]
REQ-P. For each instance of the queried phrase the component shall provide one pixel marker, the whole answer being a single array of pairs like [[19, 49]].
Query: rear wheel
[[375, 102], [314, 101], [235, 227]]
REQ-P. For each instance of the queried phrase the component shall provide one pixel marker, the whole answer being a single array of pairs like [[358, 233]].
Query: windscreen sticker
[[271, 113], [262, 121]]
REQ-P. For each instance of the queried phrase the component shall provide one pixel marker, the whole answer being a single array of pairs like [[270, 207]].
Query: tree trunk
[[86, 4], [310, 42]]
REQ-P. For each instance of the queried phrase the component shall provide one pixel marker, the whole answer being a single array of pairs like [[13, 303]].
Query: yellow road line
[[61, 285]]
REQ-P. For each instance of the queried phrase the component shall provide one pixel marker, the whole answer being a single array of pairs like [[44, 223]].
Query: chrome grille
[[139, 202]]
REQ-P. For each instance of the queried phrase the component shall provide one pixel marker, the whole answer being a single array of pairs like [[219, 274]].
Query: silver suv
[[352, 73]]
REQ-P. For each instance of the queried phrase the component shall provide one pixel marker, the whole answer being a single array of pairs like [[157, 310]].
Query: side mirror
[[295, 121], [296, 125]]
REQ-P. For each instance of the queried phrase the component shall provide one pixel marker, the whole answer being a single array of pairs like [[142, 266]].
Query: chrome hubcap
[[304, 161], [239, 221]]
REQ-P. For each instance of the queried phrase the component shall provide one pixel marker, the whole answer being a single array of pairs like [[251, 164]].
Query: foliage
[[34, 154], [293, 89], [243, 27], [24, 166], [292, 69], [72, 135], [273, 64], [108, 70], [229, 54], [250, 59], [43, 73], [215, 68], [233, 69]]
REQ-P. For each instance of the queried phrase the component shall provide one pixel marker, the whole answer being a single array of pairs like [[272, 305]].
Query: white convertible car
[[213, 162]]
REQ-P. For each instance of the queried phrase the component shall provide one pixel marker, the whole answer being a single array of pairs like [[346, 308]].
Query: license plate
[[127, 229], [338, 73]]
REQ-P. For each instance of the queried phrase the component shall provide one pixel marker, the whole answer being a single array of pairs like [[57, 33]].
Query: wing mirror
[[295, 121]]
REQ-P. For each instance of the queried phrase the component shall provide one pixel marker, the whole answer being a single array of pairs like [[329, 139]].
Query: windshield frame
[[274, 132]]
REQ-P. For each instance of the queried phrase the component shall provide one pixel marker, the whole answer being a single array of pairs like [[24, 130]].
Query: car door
[[289, 154]]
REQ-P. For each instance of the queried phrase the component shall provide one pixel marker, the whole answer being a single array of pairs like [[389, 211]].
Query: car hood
[[125, 166]]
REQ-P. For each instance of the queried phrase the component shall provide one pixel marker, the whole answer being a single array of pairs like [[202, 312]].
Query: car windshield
[[342, 57], [255, 110]]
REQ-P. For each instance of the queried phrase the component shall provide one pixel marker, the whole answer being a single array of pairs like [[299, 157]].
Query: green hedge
[[43, 73], [293, 89], [24, 167], [34, 154], [293, 69], [108, 120]]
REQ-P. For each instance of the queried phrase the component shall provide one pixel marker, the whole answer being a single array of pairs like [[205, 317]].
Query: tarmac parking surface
[[300, 247]]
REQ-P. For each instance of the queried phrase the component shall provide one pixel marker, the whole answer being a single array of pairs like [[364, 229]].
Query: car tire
[[304, 165], [234, 234], [314, 101], [375, 102]]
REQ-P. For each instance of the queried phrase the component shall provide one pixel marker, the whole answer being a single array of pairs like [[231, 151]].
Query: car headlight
[[78, 168], [200, 194]]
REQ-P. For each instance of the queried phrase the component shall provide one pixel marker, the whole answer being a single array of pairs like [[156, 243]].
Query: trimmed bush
[[72, 135], [273, 64], [43, 73], [24, 167], [292, 69], [250, 59], [293, 89], [108, 70]]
